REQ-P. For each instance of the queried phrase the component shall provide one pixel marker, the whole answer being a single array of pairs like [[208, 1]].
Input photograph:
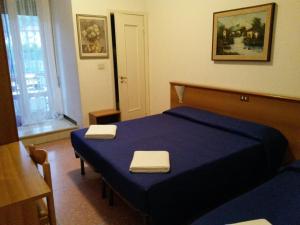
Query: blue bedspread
[[278, 201], [212, 158]]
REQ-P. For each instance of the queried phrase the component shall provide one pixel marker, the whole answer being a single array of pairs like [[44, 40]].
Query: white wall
[[66, 58], [180, 37], [180, 34], [97, 86]]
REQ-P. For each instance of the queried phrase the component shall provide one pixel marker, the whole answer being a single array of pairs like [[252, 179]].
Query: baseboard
[[70, 119], [47, 137]]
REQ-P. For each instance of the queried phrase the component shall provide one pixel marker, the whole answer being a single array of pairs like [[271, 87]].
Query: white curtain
[[28, 31]]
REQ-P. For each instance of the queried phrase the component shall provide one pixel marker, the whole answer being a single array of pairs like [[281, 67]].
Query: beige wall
[[97, 86], [62, 21], [180, 34], [180, 49]]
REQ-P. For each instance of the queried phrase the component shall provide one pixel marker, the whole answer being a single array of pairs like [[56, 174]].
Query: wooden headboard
[[282, 113]]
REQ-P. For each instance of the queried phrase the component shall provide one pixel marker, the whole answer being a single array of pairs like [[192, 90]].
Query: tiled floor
[[45, 127], [78, 198]]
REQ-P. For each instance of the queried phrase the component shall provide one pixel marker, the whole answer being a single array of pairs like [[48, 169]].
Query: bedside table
[[104, 116]]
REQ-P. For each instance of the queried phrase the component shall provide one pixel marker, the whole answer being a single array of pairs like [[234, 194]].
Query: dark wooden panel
[[1, 6], [279, 112], [8, 128]]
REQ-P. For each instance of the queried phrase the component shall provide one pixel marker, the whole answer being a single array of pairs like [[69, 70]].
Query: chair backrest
[[40, 157]]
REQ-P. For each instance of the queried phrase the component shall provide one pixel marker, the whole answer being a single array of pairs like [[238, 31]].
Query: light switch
[[101, 66]]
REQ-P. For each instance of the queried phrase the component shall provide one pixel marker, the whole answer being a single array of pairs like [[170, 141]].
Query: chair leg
[[82, 167], [51, 209], [50, 199]]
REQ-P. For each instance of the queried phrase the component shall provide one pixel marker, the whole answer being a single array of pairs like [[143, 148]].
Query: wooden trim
[[280, 112], [179, 83], [8, 127], [249, 7], [269, 36], [107, 112]]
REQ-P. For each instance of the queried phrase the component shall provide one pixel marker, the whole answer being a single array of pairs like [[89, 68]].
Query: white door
[[130, 41]]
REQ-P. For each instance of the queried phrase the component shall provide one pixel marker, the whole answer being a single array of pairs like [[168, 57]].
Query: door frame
[[147, 77]]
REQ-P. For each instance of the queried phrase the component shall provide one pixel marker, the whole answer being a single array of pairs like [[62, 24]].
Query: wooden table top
[[106, 112], [20, 180]]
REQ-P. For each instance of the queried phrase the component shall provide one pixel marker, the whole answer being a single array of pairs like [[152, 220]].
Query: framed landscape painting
[[243, 34], [92, 36]]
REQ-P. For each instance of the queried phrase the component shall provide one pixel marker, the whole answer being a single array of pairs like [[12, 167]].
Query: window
[[28, 37]]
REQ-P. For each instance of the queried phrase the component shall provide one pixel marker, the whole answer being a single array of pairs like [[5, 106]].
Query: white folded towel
[[253, 222], [101, 132], [150, 162]]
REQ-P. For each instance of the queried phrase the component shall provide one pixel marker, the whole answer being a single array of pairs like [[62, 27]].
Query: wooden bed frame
[[282, 113]]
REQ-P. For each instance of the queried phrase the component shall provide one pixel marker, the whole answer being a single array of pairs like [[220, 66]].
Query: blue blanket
[[278, 201], [212, 158]]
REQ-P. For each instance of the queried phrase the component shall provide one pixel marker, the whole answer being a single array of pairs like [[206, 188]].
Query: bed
[[277, 200], [214, 157]]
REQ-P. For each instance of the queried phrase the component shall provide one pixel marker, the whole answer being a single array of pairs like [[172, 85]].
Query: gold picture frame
[[92, 36], [243, 34]]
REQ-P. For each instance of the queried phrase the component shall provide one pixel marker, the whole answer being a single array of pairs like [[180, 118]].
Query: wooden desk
[[20, 185]]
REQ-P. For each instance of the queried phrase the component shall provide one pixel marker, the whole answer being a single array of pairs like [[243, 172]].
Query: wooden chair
[[46, 212]]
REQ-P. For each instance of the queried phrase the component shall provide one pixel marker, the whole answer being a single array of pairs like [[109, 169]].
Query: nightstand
[[104, 116]]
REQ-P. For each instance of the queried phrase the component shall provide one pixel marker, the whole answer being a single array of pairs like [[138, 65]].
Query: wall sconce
[[179, 91]]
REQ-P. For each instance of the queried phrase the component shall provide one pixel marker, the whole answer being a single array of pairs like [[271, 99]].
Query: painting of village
[[242, 34]]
